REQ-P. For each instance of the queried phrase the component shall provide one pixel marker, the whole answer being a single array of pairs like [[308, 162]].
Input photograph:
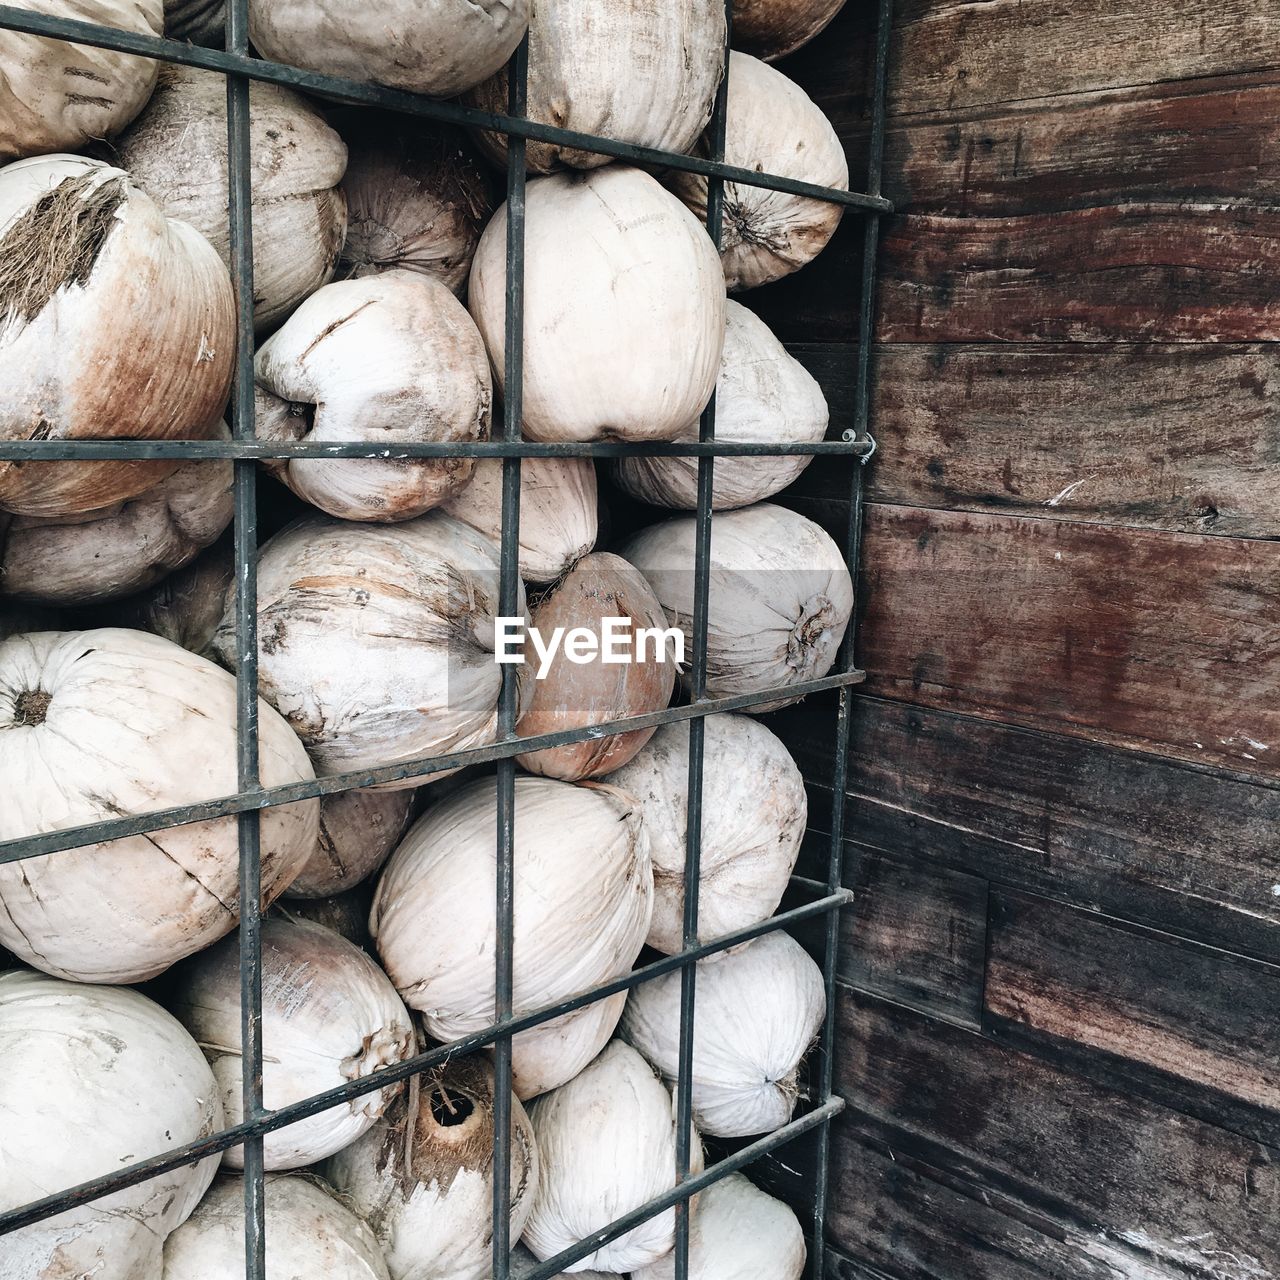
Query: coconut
[[93, 1079], [759, 1011], [422, 1177], [57, 96], [624, 307], [754, 813], [641, 71], [115, 322], [771, 29], [573, 695], [176, 152], [582, 900], [780, 596], [437, 47], [773, 126], [99, 555], [308, 1234], [416, 197], [102, 724], [764, 396], [608, 1145], [558, 511], [358, 830], [329, 1016], [390, 358], [376, 641], [738, 1233]]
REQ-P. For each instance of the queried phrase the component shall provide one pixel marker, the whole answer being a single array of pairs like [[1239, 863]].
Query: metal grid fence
[[824, 898]]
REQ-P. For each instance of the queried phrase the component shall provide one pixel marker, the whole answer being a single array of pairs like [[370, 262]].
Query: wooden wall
[[1060, 998]]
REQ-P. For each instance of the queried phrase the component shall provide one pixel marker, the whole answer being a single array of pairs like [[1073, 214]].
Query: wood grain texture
[[1123, 1175], [1188, 1024], [1166, 642]]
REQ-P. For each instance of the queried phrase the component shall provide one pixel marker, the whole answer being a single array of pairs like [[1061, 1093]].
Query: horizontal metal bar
[[14, 1219], [101, 37], [822, 1114], [39, 845]]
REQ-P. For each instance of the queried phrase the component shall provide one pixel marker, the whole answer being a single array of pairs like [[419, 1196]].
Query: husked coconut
[[103, 724], [759, 1011], [738, 1233], [376, 641], [100, 555], [437, 47], [93, 1079], [574, 695], [58, 96], [773, 126], [548, 1054], [558, 511], [641, 71], [771, 29], [329, 1016], [199, 21], [523, 1264], [391, 358], [623, 313], [754, 812], [422, 1177], [358, 830], [115, 322], [764, 396], [608, 1144], [780, 596], [309, 1233], [582, 900], [176, 151], [417, 198]]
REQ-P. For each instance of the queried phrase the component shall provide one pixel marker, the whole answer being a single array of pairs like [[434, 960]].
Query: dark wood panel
[[1185, 1023], [1167, 642], [1060, 1152]]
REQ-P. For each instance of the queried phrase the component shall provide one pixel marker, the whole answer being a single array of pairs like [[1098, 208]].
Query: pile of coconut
[[379, 309]]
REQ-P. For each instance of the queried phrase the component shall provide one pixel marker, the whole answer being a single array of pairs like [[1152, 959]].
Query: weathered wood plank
[[1168, 436], [1165, 642], [1061, 1152], [1184, 1023]]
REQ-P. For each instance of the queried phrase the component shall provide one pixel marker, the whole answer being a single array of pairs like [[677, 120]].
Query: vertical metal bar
[[697, 691], [853, 557], [509, 596]]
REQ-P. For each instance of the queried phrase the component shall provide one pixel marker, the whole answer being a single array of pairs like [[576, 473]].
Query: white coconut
[[523, 1264], [624, 307], [759, 1011], [93, 1079], [115, 322], [641, 71], [308, 1234], [58, 96], [103, 724], [358, 830], [558, 511], [608, 1145], [422, 1177], [754, 812], [391, 358], [176, 151], [329, 1016], [99, 555], [376, 641], [545, 1056], [773, 126], [417, 198], [780, 595], [582, 901], [764, 396], [437, 47], [771, 29], [738, 1233]]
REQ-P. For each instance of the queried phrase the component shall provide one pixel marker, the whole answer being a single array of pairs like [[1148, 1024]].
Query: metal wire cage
[[822, 899]]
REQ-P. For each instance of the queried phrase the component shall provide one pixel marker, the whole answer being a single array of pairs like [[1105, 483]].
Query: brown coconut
[[771, 29]]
